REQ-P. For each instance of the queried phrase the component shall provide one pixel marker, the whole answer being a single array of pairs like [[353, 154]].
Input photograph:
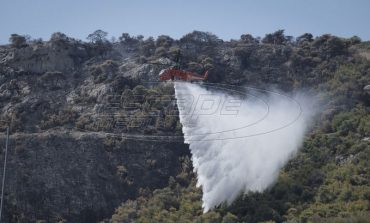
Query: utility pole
[[4, 172]]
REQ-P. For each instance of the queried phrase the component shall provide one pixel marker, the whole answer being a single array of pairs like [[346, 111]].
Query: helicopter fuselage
[[177, 74]]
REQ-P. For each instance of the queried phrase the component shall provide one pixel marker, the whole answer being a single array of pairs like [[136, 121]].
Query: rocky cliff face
[[62, 164], [48, 56], [81, 177]]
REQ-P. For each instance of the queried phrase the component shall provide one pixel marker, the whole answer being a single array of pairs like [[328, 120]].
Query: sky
[[227, 19]]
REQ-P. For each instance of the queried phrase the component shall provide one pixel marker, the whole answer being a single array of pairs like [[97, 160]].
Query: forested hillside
[[58, 90]]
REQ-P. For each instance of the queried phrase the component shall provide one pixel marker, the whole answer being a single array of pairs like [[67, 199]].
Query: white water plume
[[239, 142]]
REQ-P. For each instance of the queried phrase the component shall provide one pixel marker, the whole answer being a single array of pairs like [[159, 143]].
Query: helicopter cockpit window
[[162, 71]]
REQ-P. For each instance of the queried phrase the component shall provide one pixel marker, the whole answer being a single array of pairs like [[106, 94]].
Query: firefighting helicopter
[[175, 73]]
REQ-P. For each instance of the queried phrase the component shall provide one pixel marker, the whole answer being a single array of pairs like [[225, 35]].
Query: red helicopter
[[175, 73]]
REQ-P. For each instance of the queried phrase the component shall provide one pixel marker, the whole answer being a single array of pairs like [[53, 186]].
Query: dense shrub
[[18, 41]]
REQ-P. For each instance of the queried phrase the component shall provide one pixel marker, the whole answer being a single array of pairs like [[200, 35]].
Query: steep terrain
[[65, 101], [67, 158]]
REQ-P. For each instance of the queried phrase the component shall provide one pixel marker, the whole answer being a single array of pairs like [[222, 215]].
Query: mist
[[239, 140]]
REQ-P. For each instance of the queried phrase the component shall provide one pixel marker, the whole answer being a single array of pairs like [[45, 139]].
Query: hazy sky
[[227, 19]]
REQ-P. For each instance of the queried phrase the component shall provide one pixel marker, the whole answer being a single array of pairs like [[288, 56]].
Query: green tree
[[164, 41], [247, 38], [98, 36], [17, 41], [307, 37], [59, 37], [277, 37]]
